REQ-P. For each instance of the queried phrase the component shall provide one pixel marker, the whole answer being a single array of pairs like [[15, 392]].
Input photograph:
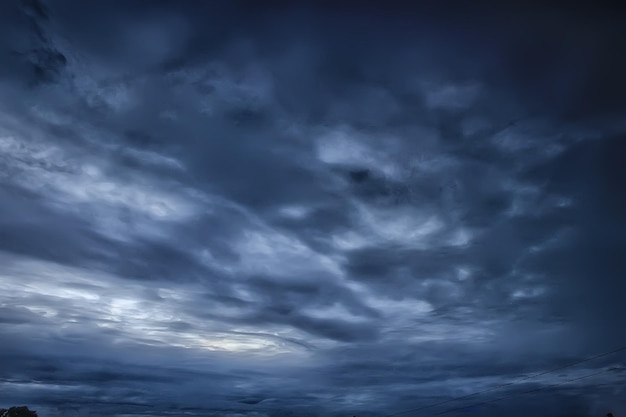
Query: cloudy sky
[[292, 209]]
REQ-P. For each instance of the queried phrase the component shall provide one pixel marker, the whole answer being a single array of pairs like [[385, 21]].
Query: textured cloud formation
[[235, 209]]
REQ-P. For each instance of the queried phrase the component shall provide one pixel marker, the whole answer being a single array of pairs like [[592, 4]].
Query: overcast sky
[[229, 209]]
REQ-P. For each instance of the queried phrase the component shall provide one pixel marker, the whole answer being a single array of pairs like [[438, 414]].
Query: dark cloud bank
[[228, 208]]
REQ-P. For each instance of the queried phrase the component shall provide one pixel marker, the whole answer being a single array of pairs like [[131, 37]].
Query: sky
[[281, 209]]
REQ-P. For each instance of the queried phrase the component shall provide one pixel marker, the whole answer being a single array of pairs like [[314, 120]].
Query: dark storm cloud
[[309, 209]]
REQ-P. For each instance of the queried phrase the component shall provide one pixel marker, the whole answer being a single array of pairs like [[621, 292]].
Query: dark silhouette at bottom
[[17, 412]]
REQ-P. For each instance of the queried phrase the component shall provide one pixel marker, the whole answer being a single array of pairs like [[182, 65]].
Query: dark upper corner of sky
[[383, 18], [561, 62]]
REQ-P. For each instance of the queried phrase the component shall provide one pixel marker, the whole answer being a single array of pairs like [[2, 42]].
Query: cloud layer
[[304, 210]]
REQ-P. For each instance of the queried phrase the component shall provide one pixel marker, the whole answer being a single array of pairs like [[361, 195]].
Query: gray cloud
[[306, 210]]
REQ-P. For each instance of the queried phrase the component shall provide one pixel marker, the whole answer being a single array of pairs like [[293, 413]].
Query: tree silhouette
[[17, 412]]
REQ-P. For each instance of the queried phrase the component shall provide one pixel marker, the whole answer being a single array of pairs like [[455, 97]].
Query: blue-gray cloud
[[305, 210]]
